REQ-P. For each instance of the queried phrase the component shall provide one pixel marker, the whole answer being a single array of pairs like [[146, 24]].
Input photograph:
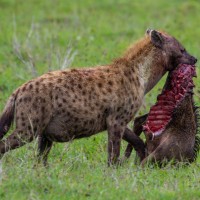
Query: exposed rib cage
[[160, 114]]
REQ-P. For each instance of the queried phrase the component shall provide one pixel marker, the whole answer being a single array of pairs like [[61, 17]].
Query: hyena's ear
[[157, 39]]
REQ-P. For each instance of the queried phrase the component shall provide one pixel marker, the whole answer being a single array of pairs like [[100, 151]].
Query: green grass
[[97, 31]]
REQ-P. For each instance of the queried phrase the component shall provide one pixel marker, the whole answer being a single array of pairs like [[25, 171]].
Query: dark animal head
[[173, 52]]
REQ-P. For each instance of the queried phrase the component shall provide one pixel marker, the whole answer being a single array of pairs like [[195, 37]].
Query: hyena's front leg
[[115, 133]]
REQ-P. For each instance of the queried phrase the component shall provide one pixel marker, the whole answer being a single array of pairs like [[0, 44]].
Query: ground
[[37, 36]]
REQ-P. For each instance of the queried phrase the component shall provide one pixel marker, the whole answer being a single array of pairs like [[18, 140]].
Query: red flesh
[[180, 84]]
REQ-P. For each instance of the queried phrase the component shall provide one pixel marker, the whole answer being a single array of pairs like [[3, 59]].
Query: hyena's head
[[173, 52]]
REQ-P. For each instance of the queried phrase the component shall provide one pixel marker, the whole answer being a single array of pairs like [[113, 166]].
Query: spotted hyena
[[64, 105]]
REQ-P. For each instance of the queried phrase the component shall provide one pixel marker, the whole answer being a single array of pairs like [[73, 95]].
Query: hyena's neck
[[143, 62], [150, 70]]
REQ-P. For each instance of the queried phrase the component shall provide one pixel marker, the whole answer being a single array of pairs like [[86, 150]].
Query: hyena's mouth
[[179, 84]]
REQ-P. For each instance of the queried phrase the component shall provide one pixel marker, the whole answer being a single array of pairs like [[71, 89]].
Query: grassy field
[[37, 36]]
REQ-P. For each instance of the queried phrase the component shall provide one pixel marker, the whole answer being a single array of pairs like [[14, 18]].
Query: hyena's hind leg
[[44, 147], [17, 139]]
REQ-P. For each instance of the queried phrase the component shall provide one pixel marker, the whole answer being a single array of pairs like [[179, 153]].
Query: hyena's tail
[[7, 116]]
